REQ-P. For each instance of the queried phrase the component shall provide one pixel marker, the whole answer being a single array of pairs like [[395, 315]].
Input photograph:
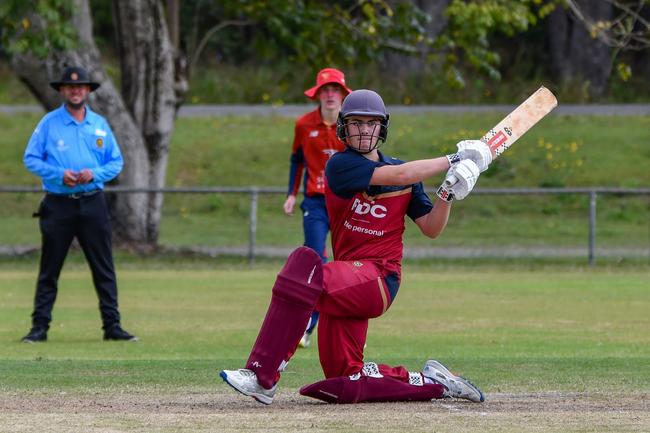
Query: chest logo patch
[[357, 264], [100, 143], [60, 145], [364, 208], [313, 134]]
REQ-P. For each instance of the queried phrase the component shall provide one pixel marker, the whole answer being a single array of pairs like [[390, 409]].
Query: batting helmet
[[363, 102]]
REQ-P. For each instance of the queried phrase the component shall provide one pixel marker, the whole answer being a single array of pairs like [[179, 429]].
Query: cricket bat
[[508, 130]]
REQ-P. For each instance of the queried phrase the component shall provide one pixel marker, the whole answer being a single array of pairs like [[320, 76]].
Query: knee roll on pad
[[301, 279]]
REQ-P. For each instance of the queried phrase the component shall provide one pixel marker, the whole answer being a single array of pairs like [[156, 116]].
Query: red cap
[[327, 76]]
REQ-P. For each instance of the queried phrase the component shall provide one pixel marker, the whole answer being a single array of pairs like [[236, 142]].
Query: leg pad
[[296, 291], [344, 389]]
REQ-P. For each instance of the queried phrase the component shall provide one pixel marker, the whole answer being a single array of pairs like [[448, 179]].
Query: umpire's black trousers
[[61, 219]]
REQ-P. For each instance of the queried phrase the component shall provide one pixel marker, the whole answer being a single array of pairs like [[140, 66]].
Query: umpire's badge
[[100, 143]]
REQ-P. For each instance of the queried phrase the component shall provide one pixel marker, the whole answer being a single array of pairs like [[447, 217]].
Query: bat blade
[[519, 121], [510, 128]]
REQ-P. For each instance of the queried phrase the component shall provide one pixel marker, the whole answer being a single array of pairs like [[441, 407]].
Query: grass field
[[556, 347], [573, 151], [562, 349], [247, 150]]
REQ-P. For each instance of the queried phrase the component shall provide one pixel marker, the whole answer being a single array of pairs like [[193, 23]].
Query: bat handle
[[444, 192], [450, 180]]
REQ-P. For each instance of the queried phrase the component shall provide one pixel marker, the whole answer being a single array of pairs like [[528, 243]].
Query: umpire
[[74, 151]]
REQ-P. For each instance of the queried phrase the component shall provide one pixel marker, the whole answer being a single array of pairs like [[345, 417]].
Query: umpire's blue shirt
[[61, 143]]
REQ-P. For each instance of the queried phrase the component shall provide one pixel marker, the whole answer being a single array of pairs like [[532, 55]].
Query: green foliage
[[472, 25], [349, 33], [36, 26], [624, 71], [292, 36], [311, 32]]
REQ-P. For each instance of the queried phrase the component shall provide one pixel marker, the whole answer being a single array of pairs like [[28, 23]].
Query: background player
[[368, 196], [314, 142]]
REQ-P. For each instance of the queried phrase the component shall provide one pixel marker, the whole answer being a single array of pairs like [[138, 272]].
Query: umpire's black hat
[[74, 75]]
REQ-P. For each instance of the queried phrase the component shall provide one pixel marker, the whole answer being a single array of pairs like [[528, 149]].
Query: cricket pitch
[[229, 412]]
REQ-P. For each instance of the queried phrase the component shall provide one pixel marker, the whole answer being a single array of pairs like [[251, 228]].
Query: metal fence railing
[[254, 192]]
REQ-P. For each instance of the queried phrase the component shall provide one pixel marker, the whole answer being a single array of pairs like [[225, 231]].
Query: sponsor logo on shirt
[[363, 208], [329, 152], [100, 132], [363, 230], [313, 133]]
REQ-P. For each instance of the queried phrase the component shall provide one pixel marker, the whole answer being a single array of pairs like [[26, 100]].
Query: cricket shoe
[[35, 335], [457, 386], [305, 341], [245, 381], [116, 333]]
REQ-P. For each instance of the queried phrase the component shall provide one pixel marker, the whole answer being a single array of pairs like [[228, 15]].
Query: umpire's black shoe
[[36, 335], [116, 333]]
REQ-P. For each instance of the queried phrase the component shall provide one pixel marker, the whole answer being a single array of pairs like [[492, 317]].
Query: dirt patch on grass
[[230, 412]]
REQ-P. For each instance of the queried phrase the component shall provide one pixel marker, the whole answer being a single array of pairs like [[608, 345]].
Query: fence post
[[252, 228], [592, 226]]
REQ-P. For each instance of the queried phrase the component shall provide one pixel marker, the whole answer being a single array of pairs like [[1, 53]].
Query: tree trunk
[[147, 66], [142, 117], [575, 55], [405, 64]]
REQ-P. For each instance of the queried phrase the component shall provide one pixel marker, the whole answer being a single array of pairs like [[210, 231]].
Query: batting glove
[[477, 151], [459, 181]]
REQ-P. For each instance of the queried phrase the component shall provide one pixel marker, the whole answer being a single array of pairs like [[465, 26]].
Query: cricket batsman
[[368, 195]]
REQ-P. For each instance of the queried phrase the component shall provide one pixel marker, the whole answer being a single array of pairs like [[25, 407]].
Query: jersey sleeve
[[420, 204], [113, 162], [297, 164], [35, 157], [348, 173]]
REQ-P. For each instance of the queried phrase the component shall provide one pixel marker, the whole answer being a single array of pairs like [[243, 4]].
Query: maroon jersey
[[367, 222]]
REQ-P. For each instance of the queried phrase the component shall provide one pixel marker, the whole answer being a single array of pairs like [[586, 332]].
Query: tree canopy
[[342, 33]]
